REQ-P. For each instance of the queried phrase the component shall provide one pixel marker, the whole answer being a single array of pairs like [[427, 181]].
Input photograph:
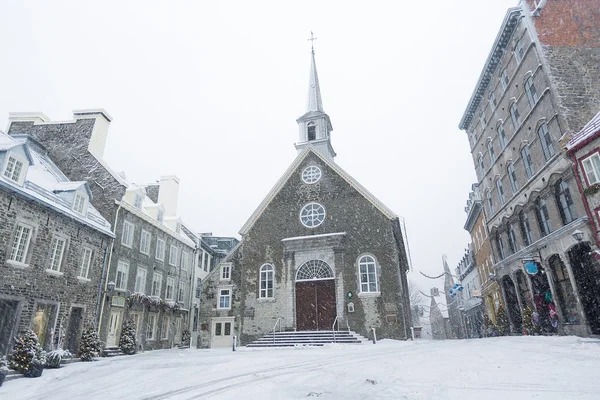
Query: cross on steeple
[[312, 41]]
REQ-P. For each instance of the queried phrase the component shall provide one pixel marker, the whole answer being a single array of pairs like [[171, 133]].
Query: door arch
[[315, 296]]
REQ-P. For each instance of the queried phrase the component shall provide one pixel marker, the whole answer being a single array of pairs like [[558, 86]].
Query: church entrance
[[315, 297]]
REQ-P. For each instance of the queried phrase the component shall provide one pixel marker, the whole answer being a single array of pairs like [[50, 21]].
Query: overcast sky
[[210, 91]]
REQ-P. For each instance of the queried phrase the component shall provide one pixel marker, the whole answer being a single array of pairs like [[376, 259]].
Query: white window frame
[[160, 216], [138, 201], [159, 254], [123, 269], [127, 234], [53, 263], [519, 50], [156, 284], [185, 257], [530, 91], [311, 174], [267, 275], [312, 215], [173, 255], [225, 273], [227, 296], [591, 167], [140, 280], [181, 292], [86, 263], [170, 290], [79, 203], [145, 244], [165, 322], [368, 277], [9, 174], [151, 327], [20, 243]]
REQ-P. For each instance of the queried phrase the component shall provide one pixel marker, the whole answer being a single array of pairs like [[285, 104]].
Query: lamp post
[[578, 235]]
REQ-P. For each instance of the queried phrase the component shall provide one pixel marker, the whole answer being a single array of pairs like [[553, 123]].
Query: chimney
[[168, 193], [35, 117], [100, 131]]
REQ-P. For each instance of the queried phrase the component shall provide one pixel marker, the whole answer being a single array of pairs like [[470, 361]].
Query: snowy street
[[496, 368]]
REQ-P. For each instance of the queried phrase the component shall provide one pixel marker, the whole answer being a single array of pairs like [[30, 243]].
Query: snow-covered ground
[[497, 368]]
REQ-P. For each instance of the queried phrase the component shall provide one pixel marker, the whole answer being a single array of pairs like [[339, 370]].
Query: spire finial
[[312, 42]]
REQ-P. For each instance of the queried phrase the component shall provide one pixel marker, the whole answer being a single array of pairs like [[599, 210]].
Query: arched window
[[512, 239], [367, 270], [543, 217], [311, 131], [501, 136], [546, 141], [314, 270], [512, 177], [481, 166], [490, 203], [525, 228], [500, 190], [565, 202], [527, 162], [490, 147], [500, 245], [312, 215], [267, 273], [532, 96], [515, 116]]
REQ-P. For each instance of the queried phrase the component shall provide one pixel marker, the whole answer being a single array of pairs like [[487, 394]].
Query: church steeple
[[315, 126]]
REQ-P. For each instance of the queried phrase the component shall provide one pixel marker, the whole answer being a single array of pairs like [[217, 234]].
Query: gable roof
[[589, 130], [288, 173]]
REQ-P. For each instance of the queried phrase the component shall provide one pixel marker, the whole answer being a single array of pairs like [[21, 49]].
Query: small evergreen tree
[[502, 321], [91, 346], [127, 339], [528, 326], [26, 351], [185, 338]]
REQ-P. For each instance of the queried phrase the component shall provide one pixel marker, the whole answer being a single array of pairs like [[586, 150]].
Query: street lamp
[[110, 287], [578, 235]]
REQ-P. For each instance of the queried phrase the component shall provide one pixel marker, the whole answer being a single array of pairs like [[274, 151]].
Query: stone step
[[112, 352], [306, 338]]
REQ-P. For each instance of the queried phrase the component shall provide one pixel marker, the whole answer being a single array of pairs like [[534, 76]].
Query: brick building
[[319, 249], [53, 247], [539, 82], [149, 266]]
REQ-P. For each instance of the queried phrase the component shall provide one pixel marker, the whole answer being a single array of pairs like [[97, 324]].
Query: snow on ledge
[[313, 236]]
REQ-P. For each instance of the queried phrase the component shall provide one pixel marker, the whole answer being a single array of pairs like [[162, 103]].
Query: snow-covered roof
[[282, 181], [588, 131], [41, 181]]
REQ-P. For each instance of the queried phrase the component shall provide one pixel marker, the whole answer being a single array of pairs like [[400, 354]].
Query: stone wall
[[32, 285]]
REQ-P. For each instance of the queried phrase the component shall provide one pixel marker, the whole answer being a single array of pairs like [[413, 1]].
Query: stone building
[[319, 250], [482, 252], [53, 247], [455, 322], [438, 317], [149, 266], [470, 301], [539, 82]]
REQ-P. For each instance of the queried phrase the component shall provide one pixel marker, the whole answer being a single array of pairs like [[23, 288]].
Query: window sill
[[121, 290], [52, 272], [17, 264], [369, 294], [83, 280], [129, 246], [266, 299]]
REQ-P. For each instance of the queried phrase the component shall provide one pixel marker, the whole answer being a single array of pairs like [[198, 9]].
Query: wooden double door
[[315, 305]]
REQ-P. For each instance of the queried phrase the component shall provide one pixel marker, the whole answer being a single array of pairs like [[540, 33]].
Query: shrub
[[127, 339], [185, 338], [91, 346], [54, 357]]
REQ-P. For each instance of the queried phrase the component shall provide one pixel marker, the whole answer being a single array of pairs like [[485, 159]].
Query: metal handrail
[[348, 325], [275, 326], [333, 327]]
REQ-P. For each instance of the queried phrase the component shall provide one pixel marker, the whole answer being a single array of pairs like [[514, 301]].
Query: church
[[320, 253]]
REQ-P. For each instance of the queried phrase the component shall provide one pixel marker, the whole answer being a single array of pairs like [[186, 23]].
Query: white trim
[[260, 281], [25, 247], [141, 289], [125, 264], [225, 267], [148, 242], [313, 236], [53, 253], [155, 317], [173, 254], [158, 286], [81, 210], [311, 174], [17, 264], [24, 166], [83, 280], [368, 282], [594, 171], [310, 217], [230, 295], [162, 254], [127, 240], [83, 262], [171, 284], [293, 167], [54, 273]]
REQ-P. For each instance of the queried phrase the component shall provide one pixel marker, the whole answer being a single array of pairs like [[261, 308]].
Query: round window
[[311, 174], [312, 215]]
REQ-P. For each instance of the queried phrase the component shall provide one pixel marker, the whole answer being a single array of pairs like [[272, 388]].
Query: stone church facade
[[319, 253]]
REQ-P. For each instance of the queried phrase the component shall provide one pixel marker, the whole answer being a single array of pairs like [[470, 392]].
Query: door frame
[[214, 322], [13, 329], [118, 327]]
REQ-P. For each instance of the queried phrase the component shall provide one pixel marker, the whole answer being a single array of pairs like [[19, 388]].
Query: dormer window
[[14, 169], [137, 202], [79, 203], [160, 215], [311, 131]]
